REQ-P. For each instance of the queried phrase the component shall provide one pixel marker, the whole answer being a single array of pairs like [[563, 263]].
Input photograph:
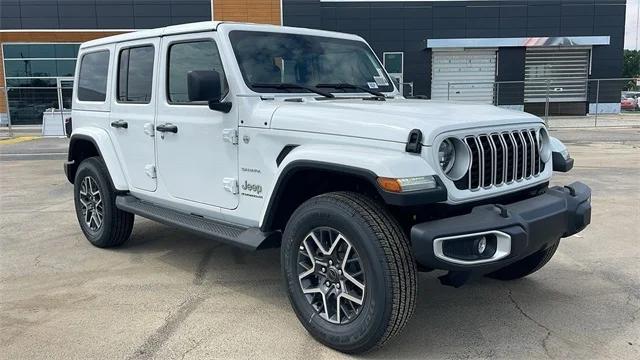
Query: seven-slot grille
[[501, 158]]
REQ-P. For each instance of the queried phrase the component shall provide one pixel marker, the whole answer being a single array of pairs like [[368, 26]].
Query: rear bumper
[[529, 225]]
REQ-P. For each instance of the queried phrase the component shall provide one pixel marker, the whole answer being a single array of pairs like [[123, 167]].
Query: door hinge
[[231, 185], [230, 135], [150, 170]]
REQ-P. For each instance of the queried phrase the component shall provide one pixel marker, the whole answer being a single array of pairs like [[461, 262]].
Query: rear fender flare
[[102, 142]]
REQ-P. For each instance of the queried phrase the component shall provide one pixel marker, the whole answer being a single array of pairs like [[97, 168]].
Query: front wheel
[[350, 276]]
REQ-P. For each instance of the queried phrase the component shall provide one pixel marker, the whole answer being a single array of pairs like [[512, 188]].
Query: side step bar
[[245, 237]]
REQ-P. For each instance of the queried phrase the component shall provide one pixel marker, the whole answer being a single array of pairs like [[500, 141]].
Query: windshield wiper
[[293, 86], [341, 86]]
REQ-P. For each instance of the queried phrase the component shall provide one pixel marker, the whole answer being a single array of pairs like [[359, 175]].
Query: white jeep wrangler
[[263, 136]]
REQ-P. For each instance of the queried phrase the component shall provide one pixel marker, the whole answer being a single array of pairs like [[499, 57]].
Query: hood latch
[[414, 143]]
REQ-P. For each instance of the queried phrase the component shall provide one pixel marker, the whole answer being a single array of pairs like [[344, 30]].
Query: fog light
[[487, 246], [471, 247], [482, 245]]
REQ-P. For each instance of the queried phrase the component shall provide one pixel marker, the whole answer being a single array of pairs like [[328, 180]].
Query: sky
[[632, 30]]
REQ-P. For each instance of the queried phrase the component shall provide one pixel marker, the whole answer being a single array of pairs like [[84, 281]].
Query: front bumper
[[531, 225]]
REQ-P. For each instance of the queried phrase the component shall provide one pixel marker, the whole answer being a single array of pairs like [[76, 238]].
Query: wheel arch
[[95, 142], [301, 180]]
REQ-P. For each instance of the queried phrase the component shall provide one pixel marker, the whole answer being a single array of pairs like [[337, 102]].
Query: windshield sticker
[[372, 85], [381, 80]]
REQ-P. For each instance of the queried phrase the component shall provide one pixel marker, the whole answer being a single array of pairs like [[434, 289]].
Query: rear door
[[196, 163], [134, 109]]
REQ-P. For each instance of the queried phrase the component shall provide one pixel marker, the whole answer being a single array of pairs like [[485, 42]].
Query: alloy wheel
[[91, 201], [331, 275]]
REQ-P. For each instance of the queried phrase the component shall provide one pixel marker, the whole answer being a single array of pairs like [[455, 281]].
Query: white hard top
[[208, 26]]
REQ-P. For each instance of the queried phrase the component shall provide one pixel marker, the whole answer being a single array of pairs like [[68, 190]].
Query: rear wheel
[[526, 266], [349, 272], [102, 223]]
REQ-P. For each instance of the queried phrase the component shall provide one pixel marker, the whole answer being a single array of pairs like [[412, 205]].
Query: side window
[[92, 80], [135, 74], [189, 56]]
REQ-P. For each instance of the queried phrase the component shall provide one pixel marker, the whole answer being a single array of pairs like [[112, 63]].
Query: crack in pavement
[[194, 346], [523, 313], [173, 320], [201, 270], [171, 323]]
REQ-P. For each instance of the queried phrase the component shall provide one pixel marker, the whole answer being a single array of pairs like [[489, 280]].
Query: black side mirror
[[204, 85]]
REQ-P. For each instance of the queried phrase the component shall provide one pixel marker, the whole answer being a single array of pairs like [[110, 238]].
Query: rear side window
[[189, 56], [135, 74], [92, 81]]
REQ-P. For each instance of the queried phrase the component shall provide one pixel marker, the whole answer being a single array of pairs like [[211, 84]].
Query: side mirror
[[204, 85]]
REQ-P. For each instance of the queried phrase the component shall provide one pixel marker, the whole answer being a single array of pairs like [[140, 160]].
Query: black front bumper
[[532, 224]]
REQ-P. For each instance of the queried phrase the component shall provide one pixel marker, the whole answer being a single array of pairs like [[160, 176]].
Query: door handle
[[120, 124], [168, 127]]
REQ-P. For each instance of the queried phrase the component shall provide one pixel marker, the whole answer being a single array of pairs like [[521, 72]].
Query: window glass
[[393, 62], [42, 51], [33, 82], [67, 50], [35, 68], [65, 67], [268, 58], [135, 74], [92, 80], [16, 51], [191, 56]]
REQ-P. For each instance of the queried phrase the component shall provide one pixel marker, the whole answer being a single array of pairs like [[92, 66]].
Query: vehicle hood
[[391, 120]]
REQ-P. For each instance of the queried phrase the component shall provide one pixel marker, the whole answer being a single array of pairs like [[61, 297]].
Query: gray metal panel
[[112, 22], [466, 75], [560, 73], [101, 14]]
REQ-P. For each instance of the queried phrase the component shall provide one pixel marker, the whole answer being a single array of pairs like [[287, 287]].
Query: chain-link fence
[[563, 102]]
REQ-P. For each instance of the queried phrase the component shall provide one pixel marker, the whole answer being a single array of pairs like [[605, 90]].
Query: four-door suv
[[263, 136]]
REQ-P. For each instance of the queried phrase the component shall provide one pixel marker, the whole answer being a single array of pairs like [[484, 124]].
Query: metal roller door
[[565, 70], [463, 75]]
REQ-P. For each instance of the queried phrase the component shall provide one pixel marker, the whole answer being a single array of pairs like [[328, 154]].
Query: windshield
[[279, 58]]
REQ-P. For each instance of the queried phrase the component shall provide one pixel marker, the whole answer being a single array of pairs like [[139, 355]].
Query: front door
[[133, 110], [195, 163]]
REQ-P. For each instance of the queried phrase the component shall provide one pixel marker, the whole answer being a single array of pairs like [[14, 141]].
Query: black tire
[[389, 269], [116, 225], [526, 266]]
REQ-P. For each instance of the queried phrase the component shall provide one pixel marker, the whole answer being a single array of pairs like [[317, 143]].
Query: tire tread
[[400, 263]]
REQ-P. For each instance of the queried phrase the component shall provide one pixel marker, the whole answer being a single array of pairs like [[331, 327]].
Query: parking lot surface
[[167, 294]]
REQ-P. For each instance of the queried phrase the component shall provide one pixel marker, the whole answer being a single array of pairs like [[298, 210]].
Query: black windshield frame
[[310, 42]]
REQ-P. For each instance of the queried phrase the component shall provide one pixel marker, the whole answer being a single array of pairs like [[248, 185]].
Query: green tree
[[631, 67]]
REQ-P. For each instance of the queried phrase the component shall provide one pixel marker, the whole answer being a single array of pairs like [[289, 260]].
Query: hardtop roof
[[201, 27]]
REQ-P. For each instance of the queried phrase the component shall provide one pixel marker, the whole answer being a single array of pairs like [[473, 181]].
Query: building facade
[[513, 53]]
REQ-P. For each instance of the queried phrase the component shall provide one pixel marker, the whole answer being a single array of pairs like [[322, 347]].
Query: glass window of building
[[39, 77]]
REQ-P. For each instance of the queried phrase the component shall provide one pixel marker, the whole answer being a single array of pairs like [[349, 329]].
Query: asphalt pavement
[[167, 294]]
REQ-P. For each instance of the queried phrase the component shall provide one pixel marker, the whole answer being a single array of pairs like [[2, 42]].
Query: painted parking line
[[17, 139], [35, 154]]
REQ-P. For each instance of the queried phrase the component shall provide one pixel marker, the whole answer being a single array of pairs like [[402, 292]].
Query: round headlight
[[544, 145], [446, 155], [454, 158]]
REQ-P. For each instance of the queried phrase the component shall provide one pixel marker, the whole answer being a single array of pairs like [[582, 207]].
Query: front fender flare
[[365, 163], [102, 142]]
